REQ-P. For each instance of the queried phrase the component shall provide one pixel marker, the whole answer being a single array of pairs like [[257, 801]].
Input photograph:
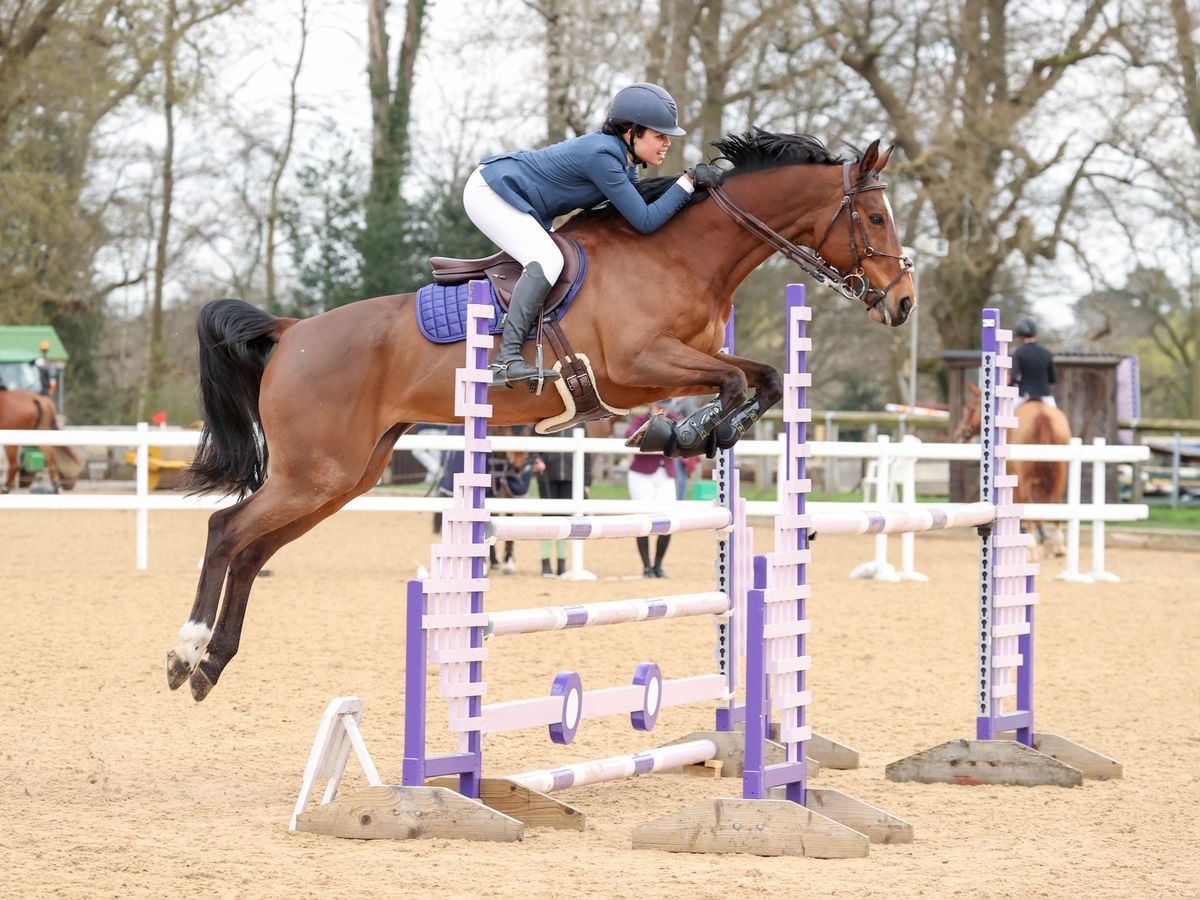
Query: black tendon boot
[[508, 368]]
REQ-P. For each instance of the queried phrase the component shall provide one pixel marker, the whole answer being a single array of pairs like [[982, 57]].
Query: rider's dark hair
[[618, 127]]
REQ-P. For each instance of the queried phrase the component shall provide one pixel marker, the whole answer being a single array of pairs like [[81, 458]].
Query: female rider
[[513, 198]]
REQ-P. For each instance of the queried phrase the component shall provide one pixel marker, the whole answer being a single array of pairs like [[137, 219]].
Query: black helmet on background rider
[[648, 105], [1026, 328]]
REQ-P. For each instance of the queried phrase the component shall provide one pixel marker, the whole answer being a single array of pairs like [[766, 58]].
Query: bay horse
[[329, 395], [1038, 481], [27, 411]]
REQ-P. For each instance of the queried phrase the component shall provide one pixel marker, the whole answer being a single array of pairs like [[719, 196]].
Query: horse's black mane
[[752, 151]]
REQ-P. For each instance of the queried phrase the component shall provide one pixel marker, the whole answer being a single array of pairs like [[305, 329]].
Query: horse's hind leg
[[196, 631], [223, 644], [10, 476], [52, 467]]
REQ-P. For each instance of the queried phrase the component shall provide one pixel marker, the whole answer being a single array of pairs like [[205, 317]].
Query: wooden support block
[[983, 762], [731, 751], [709, 769], [535, 809], [1089, 762], [823, 751], [881, 827], [409, 813], [830, 753], [759, 827]]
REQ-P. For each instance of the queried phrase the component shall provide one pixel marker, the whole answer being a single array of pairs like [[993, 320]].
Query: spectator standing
[[555, 482], [652, 480]]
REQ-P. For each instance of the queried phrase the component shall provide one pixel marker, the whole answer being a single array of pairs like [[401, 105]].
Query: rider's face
[[652, 146]]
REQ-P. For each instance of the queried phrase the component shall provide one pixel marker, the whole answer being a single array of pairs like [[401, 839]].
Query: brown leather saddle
[[503, 271]]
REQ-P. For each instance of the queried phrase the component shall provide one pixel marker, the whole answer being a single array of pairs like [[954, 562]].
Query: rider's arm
[[613, 181], [1015, 371], [1050, 370]]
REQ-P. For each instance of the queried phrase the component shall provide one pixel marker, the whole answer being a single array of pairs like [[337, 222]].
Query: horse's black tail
[[236, 340]]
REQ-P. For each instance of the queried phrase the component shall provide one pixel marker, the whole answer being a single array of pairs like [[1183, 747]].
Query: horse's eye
[[876, 219]]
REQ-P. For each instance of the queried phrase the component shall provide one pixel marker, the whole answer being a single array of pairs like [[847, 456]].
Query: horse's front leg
[[668, 364], [768, 390]]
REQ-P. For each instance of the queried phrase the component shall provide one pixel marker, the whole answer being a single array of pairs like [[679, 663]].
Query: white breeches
[[657, 487], [517, 233], [1049, 401]]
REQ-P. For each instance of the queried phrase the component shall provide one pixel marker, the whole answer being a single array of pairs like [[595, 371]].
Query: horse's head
[[970, 422], [862, 243]]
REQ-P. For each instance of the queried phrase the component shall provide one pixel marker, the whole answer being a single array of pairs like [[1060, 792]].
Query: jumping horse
[[27, 411], [1038, 481], [329, 395]]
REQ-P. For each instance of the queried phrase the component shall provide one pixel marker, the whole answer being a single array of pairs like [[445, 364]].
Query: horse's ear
[[973, 388], [883, 158], [866, 165]]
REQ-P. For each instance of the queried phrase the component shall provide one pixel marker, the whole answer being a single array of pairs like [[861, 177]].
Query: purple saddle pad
[[442, 310]]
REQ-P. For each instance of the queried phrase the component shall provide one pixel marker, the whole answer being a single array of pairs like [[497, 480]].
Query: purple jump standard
[[1006, 749]]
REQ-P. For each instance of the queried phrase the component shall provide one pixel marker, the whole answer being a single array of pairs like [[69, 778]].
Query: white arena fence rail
[[890, 459]]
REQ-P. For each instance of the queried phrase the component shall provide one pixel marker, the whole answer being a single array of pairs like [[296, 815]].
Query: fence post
[[1098, 489], [879, 569], [908, 497], [577, 572], [143, 496], [1074, 488]]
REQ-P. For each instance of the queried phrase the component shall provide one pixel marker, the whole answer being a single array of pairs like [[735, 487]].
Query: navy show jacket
[[578, 174]]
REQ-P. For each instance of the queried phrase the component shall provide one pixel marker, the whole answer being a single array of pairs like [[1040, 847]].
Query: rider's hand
[[704, 175]]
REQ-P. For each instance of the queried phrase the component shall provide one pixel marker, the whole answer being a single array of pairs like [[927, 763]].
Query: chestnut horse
[[1037, 481], [27, 411], [330, 394]]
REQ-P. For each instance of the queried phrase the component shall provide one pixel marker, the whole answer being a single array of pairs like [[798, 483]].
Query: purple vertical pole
[[1025, 671], [757, 706], [797, 436], [985, 724], [727, 553], [413, 771]]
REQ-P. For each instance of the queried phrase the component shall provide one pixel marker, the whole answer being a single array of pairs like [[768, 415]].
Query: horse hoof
[[177, 670], [656, 436], [200, 685]]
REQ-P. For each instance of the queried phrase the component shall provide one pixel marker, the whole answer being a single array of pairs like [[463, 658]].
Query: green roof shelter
[[19, 346]]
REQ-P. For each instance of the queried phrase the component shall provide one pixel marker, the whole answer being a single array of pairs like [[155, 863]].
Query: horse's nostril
[[906, 306]]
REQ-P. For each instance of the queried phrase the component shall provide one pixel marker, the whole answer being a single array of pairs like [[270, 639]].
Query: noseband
[[853, 283]]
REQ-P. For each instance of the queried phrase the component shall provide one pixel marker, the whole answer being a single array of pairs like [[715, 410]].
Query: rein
[[853, 284]]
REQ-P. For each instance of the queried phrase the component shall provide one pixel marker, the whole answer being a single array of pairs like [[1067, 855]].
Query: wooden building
[[1086, 391]]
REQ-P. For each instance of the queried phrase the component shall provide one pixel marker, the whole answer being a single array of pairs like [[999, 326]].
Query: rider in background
[[513, 198], [1032, 366]]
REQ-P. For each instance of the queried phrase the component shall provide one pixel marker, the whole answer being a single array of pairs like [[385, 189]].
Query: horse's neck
[[796, 201]]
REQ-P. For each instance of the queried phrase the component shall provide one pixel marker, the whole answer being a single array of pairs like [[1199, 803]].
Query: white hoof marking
[[193, 638]]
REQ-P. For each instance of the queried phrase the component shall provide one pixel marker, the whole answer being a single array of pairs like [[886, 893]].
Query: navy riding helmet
[[1026, 328], [648, 105]]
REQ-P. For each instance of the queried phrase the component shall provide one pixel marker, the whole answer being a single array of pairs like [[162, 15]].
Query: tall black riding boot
[[509, 368]]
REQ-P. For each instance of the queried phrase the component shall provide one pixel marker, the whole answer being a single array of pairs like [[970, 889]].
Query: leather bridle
[[853, 283]]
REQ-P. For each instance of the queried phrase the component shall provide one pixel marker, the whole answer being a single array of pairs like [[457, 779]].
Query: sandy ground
[[114, 786]]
